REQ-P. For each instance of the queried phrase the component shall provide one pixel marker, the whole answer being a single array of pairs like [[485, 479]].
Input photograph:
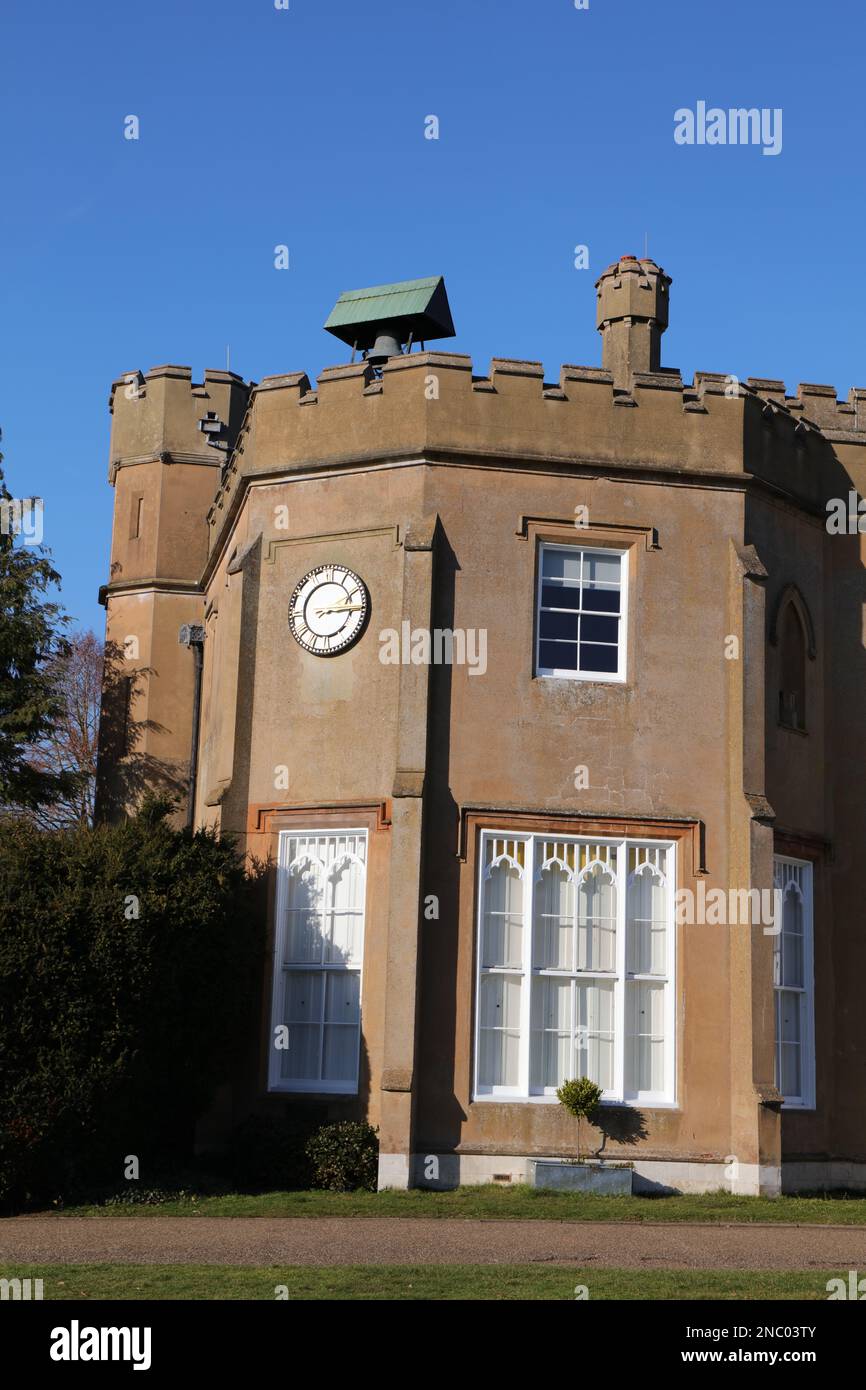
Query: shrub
[[581, 1099], [344, 1156], [128, 961], [150, 1197]]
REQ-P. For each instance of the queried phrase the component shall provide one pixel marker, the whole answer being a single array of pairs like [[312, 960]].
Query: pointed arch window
[[501, 964], [792, 670], [794, 984], [793, 634], [319, 943], [575, 969]]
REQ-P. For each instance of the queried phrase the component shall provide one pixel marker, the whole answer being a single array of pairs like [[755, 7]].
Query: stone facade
[[726, 739]]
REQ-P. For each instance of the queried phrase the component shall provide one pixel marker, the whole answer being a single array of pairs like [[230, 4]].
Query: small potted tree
[[581, 1098]]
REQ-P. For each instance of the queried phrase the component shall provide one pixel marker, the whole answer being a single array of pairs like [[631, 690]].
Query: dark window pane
[[563, 625], [595, 658], [601, 600], [558, 656], [594, 629], [558, 596]]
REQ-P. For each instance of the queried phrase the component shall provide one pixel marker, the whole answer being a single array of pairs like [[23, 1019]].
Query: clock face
[[328, 610]]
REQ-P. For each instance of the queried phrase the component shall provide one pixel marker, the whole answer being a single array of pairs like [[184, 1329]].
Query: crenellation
[[170, 369], [348, 371], [857, 401], [766, 386], [134, 384], [515, 366], [817, 404], [809, 388], [632, 410], [825, 410], [712, 383], [156, 415], [458, 361], [286, 381], [658, 381], [569, 372], [518, 420]]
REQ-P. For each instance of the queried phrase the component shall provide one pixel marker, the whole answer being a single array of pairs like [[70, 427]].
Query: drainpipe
[[192, 635]]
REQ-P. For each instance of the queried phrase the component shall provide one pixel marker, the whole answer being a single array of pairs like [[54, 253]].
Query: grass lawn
[[405, 1283], [517, 1203]]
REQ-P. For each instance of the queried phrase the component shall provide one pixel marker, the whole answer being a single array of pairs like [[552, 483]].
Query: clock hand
[[340, 608]]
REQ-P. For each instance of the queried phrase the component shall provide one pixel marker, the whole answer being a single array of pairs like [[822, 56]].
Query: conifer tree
[[31, 638]]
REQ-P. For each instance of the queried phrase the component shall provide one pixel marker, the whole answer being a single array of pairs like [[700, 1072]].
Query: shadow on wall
[[622, 1125], [310, 1001], [440, 1112], [815, 680], [125, 773]]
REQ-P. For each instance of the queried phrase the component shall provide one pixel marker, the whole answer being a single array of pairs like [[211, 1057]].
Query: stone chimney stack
[[631, 318]]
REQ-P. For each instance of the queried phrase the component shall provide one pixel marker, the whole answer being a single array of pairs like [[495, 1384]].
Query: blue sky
[[305, 127]]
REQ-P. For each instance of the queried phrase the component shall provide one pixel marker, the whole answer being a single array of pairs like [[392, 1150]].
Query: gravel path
[[398, 1241]]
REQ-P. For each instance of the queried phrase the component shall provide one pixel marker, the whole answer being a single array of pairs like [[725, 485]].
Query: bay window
[[575, 967]]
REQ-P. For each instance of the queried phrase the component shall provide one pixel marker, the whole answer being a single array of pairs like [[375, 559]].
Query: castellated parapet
[[158, 415], [630, 414], [431, 405], [170, 439]]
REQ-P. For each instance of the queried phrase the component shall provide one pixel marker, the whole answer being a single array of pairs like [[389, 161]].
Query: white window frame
[[807, 1100], [663, 1099], [617, 677], [303, 1085]]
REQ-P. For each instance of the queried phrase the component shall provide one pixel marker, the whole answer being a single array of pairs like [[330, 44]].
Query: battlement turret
[[632, 315], [170, 440]]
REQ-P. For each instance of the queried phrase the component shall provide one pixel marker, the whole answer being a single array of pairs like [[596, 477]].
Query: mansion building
[[530, 692]]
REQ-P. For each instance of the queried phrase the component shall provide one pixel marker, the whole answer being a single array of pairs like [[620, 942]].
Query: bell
[[386, 345]]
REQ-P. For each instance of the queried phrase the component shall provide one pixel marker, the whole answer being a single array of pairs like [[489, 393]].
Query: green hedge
[[129, 960], [344, 1156]]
